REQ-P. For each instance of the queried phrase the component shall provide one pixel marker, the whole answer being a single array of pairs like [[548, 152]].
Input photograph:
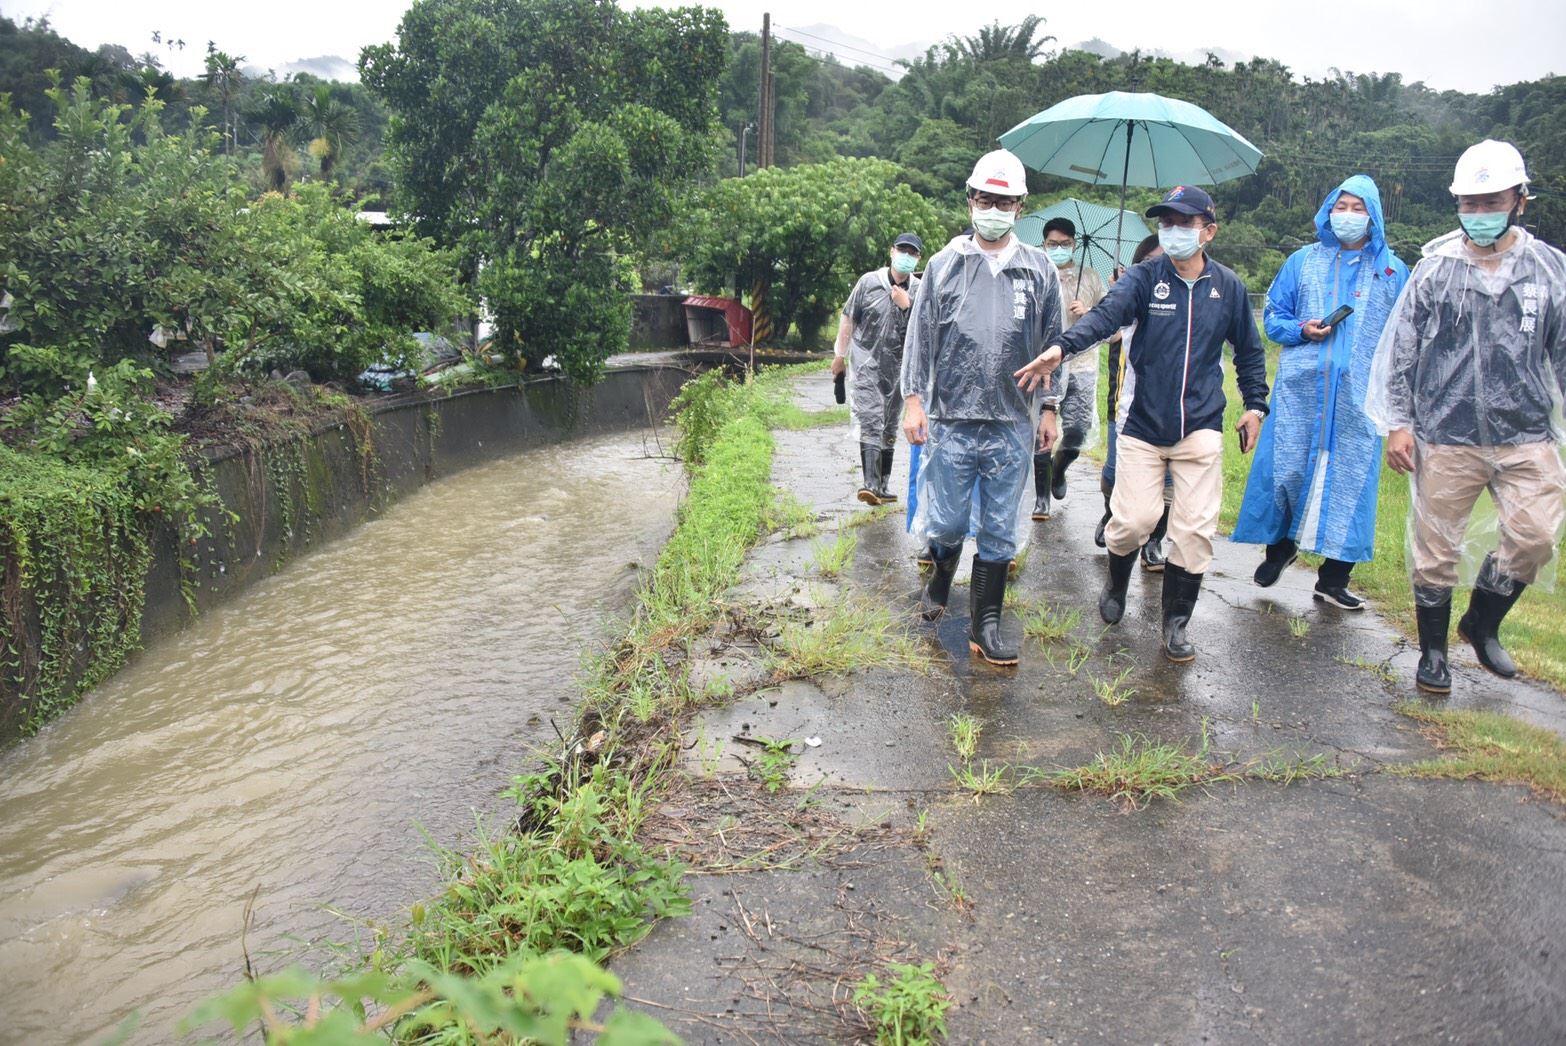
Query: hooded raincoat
[[875, 358], [1318, 460], [1476, 357], [1473, 362], [979, 316]]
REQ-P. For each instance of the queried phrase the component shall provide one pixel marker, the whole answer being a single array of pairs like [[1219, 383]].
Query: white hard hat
[[1000, 173], [1488, 167]]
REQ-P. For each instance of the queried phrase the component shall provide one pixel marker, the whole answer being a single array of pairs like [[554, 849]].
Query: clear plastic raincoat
[[1078, 383], [979, 316], [1318, 460], [1474, 363], [875, 358]]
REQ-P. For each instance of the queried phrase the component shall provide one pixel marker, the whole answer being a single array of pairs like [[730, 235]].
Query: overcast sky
[[1445, 43]]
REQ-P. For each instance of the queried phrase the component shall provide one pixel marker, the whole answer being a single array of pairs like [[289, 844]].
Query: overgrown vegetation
[[908, 1008], [1490, 746]]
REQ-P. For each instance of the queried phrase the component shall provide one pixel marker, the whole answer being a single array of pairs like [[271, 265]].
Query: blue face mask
[[1058, 255], [1485, 229], [1349, 227], [904, 262], [1180, 242]]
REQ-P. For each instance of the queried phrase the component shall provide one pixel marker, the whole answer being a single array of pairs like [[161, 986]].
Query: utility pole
[[745, 133], [764, 96], [772, 118]]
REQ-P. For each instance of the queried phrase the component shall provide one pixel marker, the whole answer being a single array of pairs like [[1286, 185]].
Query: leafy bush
[[806, 231], [124, 242]]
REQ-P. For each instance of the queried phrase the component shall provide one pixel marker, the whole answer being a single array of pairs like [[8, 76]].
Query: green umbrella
[[1097, 229], [1135, 139]]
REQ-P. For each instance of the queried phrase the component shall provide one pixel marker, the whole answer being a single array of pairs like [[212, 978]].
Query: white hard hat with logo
[[1488, 167], [999, 173]]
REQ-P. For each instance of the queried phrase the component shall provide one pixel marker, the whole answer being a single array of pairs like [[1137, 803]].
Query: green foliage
[[123, 243], [908, 1009], [539, 999], [546, 139], [76, 512], [808, 231]]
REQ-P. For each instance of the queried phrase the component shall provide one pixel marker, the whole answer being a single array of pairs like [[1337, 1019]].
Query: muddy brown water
[[309, 739]]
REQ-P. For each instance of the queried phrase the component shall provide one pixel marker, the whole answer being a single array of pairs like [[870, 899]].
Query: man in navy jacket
[[1185, 306]]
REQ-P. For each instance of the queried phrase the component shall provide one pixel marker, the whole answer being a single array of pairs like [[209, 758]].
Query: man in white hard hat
[[988, 303], [1470, 374]]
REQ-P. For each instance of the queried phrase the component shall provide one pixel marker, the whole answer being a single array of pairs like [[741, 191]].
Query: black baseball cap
[[1185, 199], [908, 239]]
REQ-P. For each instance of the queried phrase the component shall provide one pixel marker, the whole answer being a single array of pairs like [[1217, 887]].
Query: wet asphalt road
[[1364, 908]]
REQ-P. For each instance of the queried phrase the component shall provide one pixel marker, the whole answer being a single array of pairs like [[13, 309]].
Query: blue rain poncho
[[875, 358], [1318, 459], [979, 316]]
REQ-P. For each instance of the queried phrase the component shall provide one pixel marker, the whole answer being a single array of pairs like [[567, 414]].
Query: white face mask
[[1179, 241], [1347, 226], [992, 223]]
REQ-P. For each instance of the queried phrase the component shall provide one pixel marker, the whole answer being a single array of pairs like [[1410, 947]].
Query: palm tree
[[223, 76], [278, 116], [999, 41], [330, 125]]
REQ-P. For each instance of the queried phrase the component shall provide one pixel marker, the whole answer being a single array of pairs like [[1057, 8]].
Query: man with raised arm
[[1185, 306]]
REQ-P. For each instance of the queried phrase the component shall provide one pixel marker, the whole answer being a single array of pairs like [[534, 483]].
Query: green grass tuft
[[1490, 746]]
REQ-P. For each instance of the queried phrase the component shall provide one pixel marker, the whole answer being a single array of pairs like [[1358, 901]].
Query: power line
[[879, 65]]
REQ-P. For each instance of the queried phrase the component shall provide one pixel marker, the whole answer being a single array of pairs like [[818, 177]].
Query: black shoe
[[1433, 613], [884, 491], [1112, 600], [932, 600], [987, 595], [1098, 534], [1481, 626], [1279, 556], [870, 457], [1153, 557], [1338, 596], [1181, 588], [1041, 483], [1063, 460]]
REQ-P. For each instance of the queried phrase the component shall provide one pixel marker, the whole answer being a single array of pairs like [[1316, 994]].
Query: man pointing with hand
[[1185, 306]]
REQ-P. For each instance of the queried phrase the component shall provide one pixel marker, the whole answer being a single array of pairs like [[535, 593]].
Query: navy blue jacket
[[1177, 352]]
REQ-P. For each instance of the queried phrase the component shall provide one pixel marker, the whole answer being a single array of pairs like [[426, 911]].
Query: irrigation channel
[[307, 741]]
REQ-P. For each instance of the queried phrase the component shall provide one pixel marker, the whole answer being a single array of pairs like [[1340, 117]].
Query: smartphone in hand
[[839, 392], [1245, 441], [1337, 315]]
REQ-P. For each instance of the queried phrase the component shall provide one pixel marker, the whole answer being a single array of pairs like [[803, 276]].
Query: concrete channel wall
[[288, 496]]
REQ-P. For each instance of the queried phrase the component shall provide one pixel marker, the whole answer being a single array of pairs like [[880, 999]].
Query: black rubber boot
[[932, 601], [984, 631], [1433, 613], [1279, 555], [1481, 626], [1098, 535], [1112, 600], [1181, 587], [1063, 460], [870, 456], [1041, 480], [1153, 557], [884, 491]]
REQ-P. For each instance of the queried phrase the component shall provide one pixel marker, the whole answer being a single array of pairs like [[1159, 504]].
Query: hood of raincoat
[[1362, 186]]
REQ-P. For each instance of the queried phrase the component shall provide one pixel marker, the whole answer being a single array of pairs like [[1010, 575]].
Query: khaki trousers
[[1196, 465], [1526, 480]]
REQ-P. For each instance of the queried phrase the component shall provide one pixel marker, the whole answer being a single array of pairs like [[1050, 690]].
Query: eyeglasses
[[1060, 243], [1000, 203], [1181, 221]]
